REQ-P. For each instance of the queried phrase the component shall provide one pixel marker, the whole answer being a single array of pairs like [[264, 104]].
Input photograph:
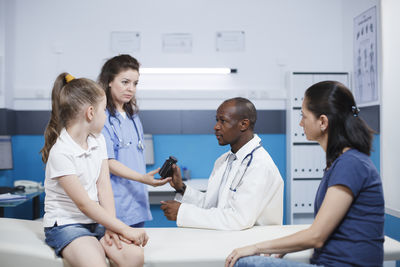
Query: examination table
[[22, 244]]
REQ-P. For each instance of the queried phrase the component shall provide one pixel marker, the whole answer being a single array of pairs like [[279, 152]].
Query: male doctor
[[245, 187]]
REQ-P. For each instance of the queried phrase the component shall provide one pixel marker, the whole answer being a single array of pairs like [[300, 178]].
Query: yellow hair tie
[[69, 78]]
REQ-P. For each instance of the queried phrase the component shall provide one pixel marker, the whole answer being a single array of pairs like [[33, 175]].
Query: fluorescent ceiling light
[[187, 70]]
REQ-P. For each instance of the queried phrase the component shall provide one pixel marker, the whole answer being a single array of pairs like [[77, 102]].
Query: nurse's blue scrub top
[[131, 197]]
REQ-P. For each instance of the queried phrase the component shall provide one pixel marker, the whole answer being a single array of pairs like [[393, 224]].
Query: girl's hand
[[138, 236], [238, 253], [148, 178], [111, 237]]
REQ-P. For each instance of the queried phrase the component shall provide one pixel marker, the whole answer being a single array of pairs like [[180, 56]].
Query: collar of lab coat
[[77, 149], [247, 148]]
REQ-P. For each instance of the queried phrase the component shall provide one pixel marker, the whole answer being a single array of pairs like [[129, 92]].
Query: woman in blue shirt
[[123, 133], [349, 205]]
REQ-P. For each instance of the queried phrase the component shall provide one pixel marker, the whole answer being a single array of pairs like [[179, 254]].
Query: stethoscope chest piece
[[140, 145], [121, 142]]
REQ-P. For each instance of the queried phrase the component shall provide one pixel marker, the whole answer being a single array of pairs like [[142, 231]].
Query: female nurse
[[349, 205], [124, 137]]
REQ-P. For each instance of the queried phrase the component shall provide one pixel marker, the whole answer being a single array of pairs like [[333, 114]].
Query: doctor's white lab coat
[[258, 199]]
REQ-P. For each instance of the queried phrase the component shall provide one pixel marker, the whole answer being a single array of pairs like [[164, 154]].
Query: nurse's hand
[[148, 178], [170, 208], [238, 253], [176, 181]]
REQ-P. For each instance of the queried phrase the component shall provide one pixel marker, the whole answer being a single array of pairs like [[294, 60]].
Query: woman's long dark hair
[[109, 71], [345, 127]]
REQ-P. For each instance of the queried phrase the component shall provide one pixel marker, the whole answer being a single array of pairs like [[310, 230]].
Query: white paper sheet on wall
[[125, 42], [230, 41], [177, 43]]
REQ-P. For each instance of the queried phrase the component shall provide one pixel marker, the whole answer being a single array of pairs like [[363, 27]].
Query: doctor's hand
[[148, 178], [170, 208], [176, 181]]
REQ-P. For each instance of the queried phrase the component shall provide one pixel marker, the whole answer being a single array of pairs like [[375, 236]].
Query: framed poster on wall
[[365, 68]]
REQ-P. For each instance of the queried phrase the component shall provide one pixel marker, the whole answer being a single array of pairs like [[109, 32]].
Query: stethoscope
[[250, 159], [122, 143]]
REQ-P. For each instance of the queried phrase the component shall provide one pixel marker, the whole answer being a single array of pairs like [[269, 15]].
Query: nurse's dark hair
[[67, 102], [345, 127], [245, 109], [109, 71]]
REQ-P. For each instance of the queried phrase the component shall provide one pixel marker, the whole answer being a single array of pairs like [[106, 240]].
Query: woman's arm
[[336, 203], [119, 169]]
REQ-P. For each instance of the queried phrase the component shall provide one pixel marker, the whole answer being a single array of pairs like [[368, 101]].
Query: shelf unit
[[305, 159]]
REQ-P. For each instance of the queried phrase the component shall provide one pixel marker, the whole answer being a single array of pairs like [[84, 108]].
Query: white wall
[[8, 32], [390, 142], [52, 36], [2, 51]]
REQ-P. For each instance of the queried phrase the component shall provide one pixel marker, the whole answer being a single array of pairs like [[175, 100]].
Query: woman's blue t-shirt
[[358, 239]]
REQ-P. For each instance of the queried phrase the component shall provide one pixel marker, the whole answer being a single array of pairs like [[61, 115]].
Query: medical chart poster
[[365, 58]]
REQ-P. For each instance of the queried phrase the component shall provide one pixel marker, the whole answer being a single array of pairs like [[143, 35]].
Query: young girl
[[123, 133], [349, 205], [79, 200]]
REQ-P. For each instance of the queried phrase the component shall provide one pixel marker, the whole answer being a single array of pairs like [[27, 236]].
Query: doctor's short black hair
[[245, 109]]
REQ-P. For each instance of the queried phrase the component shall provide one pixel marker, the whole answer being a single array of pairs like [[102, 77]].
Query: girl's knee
[[135, 256], [130, 255]]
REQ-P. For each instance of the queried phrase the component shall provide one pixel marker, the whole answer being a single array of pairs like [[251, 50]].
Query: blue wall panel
[[196, 152], [159, 220], [376, 150], [392, 227], [6, 178], [27, 158], [28, 166]]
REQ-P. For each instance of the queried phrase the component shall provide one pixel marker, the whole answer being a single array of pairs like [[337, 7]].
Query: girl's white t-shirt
[[66, 157]]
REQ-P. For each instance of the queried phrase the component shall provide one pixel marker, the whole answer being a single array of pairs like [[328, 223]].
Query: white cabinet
[[305, 159]]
